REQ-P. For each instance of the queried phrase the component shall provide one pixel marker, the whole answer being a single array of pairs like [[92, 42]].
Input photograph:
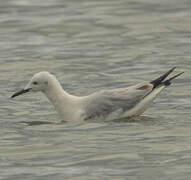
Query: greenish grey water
[[91, 45]]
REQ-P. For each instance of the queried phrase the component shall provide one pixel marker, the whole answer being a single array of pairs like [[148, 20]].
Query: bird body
[[102, 105]]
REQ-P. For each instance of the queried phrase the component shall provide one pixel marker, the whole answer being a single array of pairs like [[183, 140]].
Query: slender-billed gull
[[102, 105]]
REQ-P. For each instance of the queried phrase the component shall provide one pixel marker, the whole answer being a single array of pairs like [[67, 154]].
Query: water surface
[[91, 45]]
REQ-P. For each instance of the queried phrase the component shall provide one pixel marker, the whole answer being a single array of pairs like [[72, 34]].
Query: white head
[[39, 82]]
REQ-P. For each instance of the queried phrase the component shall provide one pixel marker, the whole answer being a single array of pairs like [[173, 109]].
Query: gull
[[102, 105]]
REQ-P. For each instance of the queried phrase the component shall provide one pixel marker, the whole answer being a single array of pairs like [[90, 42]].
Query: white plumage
[[102, 105]]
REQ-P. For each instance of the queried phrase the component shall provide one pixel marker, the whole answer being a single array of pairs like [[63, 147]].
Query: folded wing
[[101, 104]]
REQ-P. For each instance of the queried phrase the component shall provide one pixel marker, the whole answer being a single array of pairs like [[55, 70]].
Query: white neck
[[60, 99]]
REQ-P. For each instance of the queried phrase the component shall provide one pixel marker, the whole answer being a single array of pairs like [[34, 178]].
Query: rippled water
[[91, 45]]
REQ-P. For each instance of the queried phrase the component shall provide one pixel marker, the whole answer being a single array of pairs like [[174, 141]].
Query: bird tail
[[160, 80]]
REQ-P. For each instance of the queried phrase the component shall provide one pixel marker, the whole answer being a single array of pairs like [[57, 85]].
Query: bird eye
[[35, 83]]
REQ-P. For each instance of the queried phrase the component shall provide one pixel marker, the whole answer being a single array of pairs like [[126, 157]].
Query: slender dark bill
[[22, 91]]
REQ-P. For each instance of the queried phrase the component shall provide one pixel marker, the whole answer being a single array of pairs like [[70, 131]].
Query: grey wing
[[105, 102]]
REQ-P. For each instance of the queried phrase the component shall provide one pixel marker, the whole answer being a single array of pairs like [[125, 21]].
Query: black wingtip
[[168, 81], [160, 79]]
